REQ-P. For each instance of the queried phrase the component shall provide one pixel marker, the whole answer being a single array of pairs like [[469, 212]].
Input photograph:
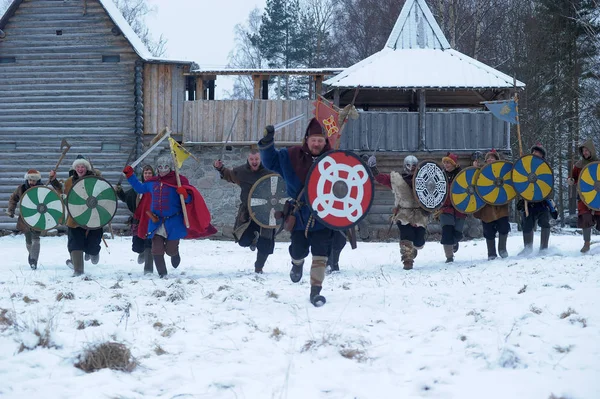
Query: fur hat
[[452, 158], [493, 153], [538, 147], [314, 128], [80, 160], [33, 174]]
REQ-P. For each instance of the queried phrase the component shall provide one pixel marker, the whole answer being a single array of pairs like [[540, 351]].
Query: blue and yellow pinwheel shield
[[463, 193], [588, 185], [532, 178], [494, 183]]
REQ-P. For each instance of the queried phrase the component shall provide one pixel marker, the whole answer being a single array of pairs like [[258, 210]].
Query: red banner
[[328, 118]]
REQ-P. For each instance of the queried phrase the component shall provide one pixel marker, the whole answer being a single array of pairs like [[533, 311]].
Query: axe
[[65, 147]]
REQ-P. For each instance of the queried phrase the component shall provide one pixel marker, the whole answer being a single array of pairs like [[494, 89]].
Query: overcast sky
[[201, 30]]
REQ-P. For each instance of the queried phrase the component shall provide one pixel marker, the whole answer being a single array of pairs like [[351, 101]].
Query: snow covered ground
[[512, 328]]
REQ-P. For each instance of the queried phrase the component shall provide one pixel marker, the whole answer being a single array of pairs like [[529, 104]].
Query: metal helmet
[[410, 163], [164, 164]]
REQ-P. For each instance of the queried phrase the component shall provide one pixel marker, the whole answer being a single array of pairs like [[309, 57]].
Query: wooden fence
[[209, 121]]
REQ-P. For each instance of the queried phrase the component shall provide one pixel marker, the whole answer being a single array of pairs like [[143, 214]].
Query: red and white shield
[[340, 189]]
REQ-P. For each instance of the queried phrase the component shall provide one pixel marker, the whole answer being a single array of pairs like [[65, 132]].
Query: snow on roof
[[115, 15], [418, 55], [421, 68], [129, 34], [416, 27], [250, 71]]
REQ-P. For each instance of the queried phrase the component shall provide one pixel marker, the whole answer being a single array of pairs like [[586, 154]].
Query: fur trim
[[33, 174], [82, 161], [452, 158], [408, 210]]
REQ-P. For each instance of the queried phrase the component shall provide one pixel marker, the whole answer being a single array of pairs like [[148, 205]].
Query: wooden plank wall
[[164, 95], [209, 121]]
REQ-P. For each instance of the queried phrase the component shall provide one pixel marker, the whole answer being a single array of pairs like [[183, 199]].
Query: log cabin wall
[[66, 71]]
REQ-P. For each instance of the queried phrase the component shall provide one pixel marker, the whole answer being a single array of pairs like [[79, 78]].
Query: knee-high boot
[[148, 261], [77, 260], [161, 266], [502, 238]]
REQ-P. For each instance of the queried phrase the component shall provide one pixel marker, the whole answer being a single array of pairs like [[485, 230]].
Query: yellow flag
[[181, 154]]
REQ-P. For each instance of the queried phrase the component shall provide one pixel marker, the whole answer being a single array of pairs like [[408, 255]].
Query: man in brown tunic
[[247, 232], [494, 219]]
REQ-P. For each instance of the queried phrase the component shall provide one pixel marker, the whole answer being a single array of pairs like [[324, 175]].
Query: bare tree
[[134, 12], [245, 55]]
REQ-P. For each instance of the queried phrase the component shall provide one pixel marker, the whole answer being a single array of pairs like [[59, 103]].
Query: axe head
[[64, 144]]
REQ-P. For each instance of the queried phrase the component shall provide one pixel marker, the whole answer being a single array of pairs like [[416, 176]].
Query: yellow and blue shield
[[463, 192], [532, 178], [588, 185], [494, 183]]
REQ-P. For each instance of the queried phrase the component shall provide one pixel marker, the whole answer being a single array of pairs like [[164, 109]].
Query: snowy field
[[512, 328]]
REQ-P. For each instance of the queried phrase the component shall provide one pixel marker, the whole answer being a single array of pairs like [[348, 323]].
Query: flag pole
[[181, 198], [516, 98]]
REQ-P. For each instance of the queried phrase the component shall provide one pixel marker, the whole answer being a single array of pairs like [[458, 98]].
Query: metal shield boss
[[463, 193], [41, 208], [340, 189], [533, 178], [430, 186], [588, 185], [92, 202], [266, 200]]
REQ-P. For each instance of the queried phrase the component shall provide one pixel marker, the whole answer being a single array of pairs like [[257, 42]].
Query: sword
[[229, 136], [149, 150], [283, 124]]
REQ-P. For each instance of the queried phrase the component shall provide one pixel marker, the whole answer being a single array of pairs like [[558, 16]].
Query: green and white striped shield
[[41, 208], [92, 202]]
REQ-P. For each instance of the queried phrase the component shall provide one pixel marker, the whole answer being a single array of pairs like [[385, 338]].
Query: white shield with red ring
[[340, 189]]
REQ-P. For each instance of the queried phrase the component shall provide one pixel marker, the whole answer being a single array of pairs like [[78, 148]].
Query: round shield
[[430, 185], [340, 189], [494, 183], [532, 178], [41, 208], [92, 202], [588, 185], [266, 200], [463, 193]]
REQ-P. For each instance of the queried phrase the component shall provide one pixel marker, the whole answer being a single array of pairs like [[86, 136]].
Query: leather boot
[[77, 260], [261, 258], [148, 261], [544, 238], [95, 259], [175, 261], [315, 298], [491, 248], [449, 252], [161, 266], [527, 244], [141, 258], [587, 238], [296, 272], [34, 253], [333, 261], [407, 253], [502, 238]]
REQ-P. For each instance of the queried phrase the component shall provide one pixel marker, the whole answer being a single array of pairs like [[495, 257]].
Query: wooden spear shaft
[[181, 198], [520, 141]]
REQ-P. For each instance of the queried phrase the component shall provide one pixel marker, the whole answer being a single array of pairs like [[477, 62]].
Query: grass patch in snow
[[106, 355], [65, 295], [567, 313]]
